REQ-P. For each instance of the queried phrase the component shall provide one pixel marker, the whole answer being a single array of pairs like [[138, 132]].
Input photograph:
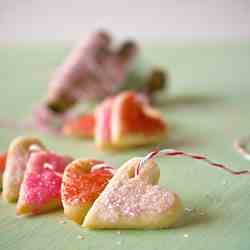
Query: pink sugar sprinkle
[[41, 188], [42, 183]]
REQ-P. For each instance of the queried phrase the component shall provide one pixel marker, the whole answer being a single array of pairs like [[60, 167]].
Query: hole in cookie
[[131, 173], [132, 169]]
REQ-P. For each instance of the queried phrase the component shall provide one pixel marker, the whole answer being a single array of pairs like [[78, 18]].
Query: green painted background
[[207, 109]]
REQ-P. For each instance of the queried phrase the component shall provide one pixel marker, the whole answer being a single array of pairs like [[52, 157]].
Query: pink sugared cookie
[[18, 154], [41, 187]]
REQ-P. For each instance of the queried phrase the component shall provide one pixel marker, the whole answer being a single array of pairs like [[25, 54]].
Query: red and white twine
[[174, 153], [103, 166]]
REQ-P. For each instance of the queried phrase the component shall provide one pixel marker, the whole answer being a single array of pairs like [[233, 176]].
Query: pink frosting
[[42, 182]]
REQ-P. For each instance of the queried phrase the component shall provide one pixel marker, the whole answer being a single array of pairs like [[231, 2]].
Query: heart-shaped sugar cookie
[[18, 154], [134, 122], [126, 120], [131, 201], [41, 187], [83, 181]]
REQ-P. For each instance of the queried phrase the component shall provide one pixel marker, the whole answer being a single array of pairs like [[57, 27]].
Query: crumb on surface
[[201, 212], [224, 182], [80, 237], [189, 210], [195, 211]]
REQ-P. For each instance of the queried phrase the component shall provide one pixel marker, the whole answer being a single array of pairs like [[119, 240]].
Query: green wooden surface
[[207, 109]]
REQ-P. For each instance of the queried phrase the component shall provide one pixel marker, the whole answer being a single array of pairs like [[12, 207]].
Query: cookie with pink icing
[[41, 188], [18, 154], [134, 201]]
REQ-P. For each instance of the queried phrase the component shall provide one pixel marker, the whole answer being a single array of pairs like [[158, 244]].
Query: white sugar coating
[[18, 163], [133, 198]]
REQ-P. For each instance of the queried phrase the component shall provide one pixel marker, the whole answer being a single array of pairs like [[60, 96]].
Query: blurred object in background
[[96, 69], [81, 126]]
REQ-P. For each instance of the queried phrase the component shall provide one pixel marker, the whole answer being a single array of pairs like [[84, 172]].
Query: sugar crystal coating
[[43, 183], [140, 120], [85, 187], [132, 199]]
